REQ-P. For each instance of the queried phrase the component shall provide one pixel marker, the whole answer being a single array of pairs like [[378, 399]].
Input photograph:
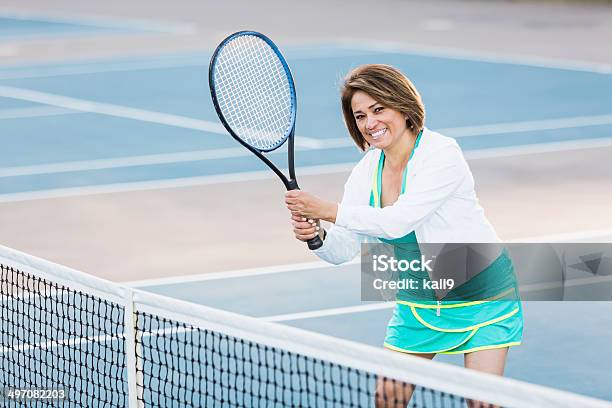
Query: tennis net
[[86, 342]]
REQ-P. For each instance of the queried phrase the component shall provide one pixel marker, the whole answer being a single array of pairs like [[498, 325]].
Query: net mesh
[[254, 92], [205, 368], [57, 338], [108, 346]]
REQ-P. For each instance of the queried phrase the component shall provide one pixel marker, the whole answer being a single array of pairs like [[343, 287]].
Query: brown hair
[[389, 87]]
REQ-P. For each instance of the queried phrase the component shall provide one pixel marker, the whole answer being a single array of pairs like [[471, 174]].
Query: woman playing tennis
[[413, 185]]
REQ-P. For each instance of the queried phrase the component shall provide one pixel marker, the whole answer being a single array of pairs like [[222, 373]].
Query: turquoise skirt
[[493, 324], [456, 324]]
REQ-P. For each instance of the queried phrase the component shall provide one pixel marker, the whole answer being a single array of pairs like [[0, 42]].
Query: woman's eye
[[358, 117], [378, 109]]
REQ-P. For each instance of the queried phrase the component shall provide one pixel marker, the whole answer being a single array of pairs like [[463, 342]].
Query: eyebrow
[[369, 107]]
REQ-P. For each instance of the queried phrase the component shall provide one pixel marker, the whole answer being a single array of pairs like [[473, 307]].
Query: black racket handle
[[313, 243]]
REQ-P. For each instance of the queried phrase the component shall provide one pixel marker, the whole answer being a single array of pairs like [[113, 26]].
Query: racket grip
[[315, 243]]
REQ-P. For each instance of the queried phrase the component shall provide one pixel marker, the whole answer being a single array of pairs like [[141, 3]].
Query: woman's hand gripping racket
[[254, 95]]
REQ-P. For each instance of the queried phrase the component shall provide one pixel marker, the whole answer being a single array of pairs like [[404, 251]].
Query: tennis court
[[103, 344], [113, 162]]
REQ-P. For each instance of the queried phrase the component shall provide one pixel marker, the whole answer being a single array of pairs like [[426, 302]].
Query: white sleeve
[[341, 244], [440, 176]]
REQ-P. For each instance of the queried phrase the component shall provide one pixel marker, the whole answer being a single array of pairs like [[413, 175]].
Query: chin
[[379, 144]]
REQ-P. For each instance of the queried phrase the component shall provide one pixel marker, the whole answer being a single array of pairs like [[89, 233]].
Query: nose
[[371, 123]]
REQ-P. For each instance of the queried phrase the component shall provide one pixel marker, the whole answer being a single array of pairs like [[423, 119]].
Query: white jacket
[[439, 203]]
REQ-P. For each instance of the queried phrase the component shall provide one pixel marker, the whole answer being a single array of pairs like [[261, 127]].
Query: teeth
[[378, 133]]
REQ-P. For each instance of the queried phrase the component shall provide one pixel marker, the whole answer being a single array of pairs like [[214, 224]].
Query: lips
[[375, 135]]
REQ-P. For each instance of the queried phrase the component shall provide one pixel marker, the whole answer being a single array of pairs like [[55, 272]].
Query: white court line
[[130, 161], [538, 148], [33, 112], [155, 62], [8, 50], [197, 124], [479, 56], [126, 112], [496, 128], [231, 177], [330, 312], [233, 152], [53, 344], [345, 45], [168, 183], [528, 126], [588, 281], [82, 105], [567, 237], [102, 67], [389, 305], [144, 160], [240, 273]]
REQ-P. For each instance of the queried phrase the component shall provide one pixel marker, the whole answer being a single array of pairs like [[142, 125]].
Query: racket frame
[[291, 182]]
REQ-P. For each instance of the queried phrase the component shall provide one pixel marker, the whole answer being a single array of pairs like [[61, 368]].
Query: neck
[[397, 154]]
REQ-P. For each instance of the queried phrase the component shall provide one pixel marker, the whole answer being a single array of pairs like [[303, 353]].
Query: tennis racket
[[253, 93]]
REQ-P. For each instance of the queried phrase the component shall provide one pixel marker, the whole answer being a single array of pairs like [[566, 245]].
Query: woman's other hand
[[305, 229], [309, 206]]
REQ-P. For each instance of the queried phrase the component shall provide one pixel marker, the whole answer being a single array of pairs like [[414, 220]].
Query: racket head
[[253, 91]]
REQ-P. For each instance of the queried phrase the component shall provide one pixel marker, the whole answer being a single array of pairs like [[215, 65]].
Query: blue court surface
[[107, 123]]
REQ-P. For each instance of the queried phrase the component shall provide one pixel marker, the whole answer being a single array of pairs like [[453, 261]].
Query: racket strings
[[262, 124], [253, 92], [240, 88]]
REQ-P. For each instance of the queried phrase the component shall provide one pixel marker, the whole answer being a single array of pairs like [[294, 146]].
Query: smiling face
[[381, 126]]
